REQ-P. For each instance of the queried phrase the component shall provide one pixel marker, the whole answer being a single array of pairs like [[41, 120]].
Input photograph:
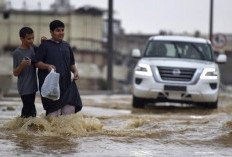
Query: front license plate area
[[175, 88], [175, 96]]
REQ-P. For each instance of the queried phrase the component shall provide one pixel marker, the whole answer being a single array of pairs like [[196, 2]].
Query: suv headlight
[[209, 73], [143, 69]]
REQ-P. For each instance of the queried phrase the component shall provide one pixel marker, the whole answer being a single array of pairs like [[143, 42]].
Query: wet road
[[108, 126]]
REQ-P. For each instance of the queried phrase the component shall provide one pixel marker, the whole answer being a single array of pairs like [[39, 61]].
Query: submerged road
[[109, 126]]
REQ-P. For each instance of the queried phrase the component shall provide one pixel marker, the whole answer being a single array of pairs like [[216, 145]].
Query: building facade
[[83, 30], [83, 26]]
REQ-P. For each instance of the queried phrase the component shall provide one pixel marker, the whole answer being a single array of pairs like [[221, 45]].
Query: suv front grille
[[176, 74]]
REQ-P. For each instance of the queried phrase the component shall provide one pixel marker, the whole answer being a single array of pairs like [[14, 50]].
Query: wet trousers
[[28, 109], [66, 110]]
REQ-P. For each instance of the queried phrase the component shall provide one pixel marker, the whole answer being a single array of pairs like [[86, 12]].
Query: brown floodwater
[[108, 127]]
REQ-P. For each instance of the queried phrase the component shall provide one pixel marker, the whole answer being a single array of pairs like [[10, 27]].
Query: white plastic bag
[[51, 88]]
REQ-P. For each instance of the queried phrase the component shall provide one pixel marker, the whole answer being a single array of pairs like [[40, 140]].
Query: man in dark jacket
[[57, 54]]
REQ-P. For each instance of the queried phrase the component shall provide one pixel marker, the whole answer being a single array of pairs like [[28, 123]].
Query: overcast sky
[[151, 16]]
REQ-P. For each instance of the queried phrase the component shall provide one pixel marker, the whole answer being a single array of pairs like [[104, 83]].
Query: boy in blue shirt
[[25, 70]]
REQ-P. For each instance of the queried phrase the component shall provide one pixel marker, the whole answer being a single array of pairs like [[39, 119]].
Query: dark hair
[[24, 31], [56, 24]]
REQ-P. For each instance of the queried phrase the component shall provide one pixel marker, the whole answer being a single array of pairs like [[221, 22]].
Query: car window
[[172, 49]]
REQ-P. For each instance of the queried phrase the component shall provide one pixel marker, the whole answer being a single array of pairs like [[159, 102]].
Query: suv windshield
[[173, 49]]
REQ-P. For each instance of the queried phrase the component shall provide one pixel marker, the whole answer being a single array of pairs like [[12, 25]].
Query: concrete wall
[[6, 74], [82, 31], [225, 69], [86, 31], [39, 23]]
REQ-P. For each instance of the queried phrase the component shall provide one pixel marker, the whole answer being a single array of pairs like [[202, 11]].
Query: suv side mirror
[[221, 58], [136, 53]]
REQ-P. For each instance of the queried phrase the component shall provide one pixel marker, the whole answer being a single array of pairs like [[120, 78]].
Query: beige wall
[[77, 28], [86, 31], [95, 58], [100, 60]]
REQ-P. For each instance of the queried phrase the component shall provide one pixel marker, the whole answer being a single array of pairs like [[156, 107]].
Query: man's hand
[[43, 38], [50, 67], [76, 75], [75, 72], [25, 63]]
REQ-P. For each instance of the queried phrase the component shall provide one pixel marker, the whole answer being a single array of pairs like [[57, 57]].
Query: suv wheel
[[212, 105], [138, 102]]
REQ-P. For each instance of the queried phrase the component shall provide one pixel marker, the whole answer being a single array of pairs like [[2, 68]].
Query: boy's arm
[[74, 71], [73, 67], [24, 63], [43, 66], [17, 71]]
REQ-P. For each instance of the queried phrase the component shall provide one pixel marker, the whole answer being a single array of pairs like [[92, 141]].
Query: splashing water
[[71, 125]]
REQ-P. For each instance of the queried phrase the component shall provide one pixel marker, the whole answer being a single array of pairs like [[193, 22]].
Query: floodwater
[[108, 127]]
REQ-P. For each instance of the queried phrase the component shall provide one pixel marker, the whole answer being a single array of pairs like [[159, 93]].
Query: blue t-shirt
[[27, 80]]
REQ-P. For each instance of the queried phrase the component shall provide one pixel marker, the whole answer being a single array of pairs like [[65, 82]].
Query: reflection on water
[[172, 109], [165, 130], [39, 145]]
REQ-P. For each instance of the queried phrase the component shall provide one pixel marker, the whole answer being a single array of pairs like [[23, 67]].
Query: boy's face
[[57, 34], [28, 40]]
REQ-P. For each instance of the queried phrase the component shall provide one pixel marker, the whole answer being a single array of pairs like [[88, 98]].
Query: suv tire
[[212, 105], [138, 102]]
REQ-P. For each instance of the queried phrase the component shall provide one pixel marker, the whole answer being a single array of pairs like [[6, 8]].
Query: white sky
[[151, 16]]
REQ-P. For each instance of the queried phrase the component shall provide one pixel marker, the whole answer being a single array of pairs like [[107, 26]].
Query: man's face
[[57, 34], [28, 40]]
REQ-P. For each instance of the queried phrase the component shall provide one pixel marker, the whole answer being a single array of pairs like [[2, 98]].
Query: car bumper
[[202, 91]]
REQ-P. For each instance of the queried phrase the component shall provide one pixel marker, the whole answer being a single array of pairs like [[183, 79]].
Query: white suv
[[177, 69]]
